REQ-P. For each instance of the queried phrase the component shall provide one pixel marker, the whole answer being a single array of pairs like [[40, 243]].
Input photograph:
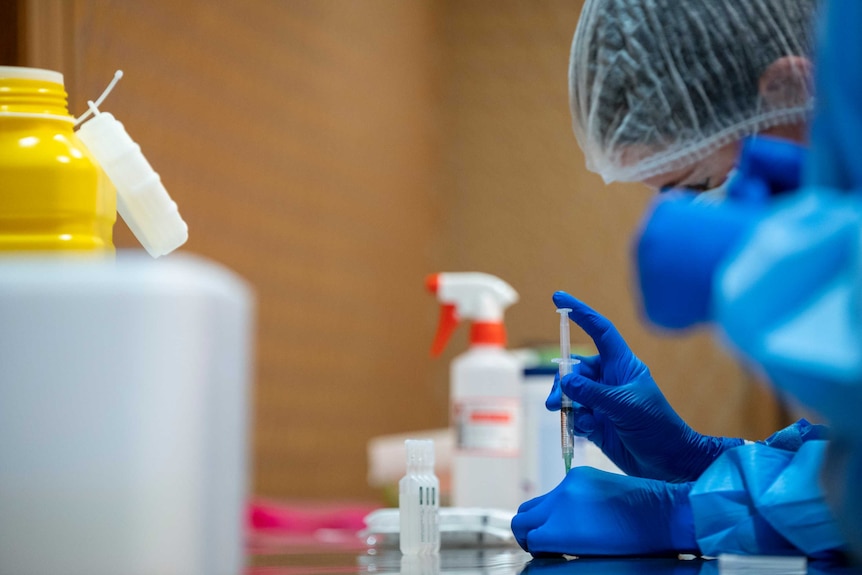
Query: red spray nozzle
[[477, 297], [445, 328]]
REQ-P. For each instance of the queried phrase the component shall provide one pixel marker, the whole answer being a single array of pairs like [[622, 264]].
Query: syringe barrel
[[567, 440]]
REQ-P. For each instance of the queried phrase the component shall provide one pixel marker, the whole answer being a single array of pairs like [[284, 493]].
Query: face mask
[[717, 194]]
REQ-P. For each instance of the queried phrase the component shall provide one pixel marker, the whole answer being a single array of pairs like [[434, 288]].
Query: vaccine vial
[[419, 501]]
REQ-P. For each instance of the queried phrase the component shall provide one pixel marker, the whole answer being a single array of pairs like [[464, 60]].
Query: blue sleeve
[[789, 300], [836, 132], [788, 297], [757, 499]]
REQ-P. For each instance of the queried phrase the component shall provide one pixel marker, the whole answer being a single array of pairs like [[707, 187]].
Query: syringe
[[567, 436]]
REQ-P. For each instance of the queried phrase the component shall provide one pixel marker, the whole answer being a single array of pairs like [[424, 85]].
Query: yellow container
[[53, 195]]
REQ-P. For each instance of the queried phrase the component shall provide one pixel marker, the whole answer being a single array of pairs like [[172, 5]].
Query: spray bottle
[[485, 391]]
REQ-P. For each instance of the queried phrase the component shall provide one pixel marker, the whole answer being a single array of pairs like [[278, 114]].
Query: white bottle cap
[[420, 452], [23, 73], [142, 200]]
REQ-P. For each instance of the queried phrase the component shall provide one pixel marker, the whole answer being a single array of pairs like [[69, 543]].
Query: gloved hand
[[623, 411], [593, 512], [767, 167], [682, 243], [677, 251]]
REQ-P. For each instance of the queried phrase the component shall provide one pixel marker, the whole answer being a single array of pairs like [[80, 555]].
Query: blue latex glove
[[767, 167], [623, 411], [683, 242], [593, 512], [792, 437], [680, 245]]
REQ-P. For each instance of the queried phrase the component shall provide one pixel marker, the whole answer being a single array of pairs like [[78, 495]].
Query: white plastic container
[[486, 412], [123, 416], [419, 501], [485, 392]]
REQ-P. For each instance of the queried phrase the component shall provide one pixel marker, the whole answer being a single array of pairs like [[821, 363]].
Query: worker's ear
[[787, 82]]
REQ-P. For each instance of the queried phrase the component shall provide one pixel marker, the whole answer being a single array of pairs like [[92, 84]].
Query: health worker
[[665, 92]]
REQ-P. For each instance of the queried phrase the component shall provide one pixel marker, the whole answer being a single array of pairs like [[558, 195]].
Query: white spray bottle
[[485, 391]]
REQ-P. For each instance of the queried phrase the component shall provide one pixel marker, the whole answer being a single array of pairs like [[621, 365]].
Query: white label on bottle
[[488, 424]]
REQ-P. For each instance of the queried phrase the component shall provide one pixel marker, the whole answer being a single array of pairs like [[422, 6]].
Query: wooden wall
[[333, 153], [296, 139], [9, 30]]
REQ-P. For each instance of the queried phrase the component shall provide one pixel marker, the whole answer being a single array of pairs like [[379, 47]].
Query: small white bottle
[[419, 500], [420, 564]]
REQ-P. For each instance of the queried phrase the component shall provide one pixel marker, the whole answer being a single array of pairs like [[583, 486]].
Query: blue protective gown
[[763, 499], [788, 298]]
